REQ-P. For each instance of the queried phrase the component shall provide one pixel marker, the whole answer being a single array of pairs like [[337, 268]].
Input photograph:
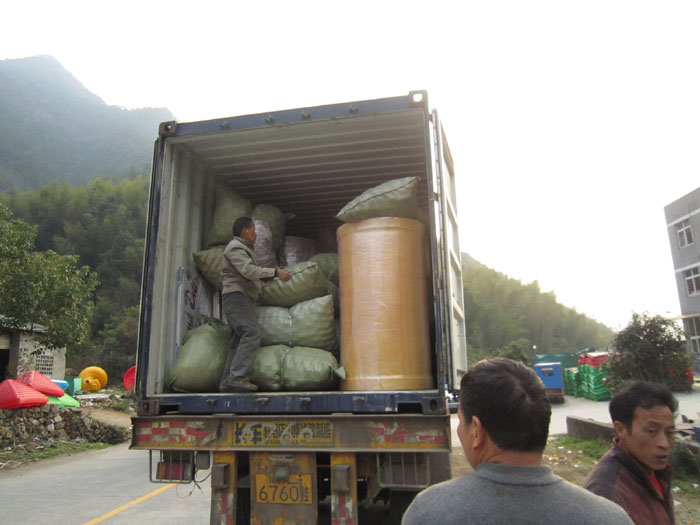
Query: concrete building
[[21, 351], [683, 223]]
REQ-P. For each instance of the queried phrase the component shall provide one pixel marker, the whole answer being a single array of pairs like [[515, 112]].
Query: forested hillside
[[104, 222], [506, 317], [53, 129]]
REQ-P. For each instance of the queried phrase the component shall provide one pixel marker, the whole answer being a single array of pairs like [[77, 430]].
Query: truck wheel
[[399, 500]]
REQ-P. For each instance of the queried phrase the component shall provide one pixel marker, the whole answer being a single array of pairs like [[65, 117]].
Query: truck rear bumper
[[329, 433]]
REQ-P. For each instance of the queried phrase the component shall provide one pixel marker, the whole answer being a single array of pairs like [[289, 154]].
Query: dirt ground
[[108, 417], [568, 464]]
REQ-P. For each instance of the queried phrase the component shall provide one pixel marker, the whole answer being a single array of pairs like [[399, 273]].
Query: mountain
[[53, 129]]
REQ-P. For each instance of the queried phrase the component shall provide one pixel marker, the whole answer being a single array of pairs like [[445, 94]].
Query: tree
[[518, 351], [113, 349], [650, 349], [42, 287], [502, 312]]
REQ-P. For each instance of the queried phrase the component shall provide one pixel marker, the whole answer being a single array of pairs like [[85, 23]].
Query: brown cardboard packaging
[[383, 305]]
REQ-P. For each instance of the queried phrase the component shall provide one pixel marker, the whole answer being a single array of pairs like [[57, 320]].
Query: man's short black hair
[[241, 224], [510, 401], [642, 394]]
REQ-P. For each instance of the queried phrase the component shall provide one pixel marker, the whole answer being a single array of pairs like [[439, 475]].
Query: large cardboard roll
[[384, 333]]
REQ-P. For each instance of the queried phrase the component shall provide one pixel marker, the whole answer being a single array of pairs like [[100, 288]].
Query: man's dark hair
[[640, 394], [510, 401], [241, 224]]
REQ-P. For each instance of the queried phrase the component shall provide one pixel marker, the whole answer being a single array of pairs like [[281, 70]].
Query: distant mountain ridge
[[53, 129]]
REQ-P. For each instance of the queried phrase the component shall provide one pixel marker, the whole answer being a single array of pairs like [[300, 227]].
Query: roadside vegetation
[[23, 455], [650, 348], [510, 319]]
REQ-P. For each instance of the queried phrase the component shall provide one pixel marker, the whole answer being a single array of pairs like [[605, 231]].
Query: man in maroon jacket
[[635, 473]]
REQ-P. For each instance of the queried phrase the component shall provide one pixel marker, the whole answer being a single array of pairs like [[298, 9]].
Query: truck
[[299, 456]]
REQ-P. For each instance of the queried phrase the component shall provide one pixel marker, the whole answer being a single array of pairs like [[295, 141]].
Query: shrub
[[650, 349]]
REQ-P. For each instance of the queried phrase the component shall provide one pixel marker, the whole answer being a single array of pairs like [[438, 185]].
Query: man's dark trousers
[[245, 335]]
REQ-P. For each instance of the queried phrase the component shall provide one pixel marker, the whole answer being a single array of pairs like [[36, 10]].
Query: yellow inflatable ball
[[94, 378]]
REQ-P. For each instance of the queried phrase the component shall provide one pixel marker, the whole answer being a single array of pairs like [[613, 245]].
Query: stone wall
[[49, 423]]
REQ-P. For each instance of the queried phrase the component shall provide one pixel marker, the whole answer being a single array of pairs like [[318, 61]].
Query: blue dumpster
[[552, 376]]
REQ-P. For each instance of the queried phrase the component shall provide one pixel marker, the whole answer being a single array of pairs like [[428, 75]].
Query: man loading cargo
[[504, 419], [241, 285], [634, 473]]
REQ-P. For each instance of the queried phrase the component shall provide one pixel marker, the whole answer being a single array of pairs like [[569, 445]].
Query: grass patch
[[685, 461], [590, 449], [18, 456]]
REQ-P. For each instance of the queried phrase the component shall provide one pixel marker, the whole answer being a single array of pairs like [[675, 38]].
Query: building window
[[684, 233], [692, 280], [694, 336]]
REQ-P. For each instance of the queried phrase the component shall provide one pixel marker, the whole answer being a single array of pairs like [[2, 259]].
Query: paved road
[[85, 487], [688, 405]]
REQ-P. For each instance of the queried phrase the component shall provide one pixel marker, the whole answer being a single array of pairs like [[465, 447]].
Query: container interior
[[309, 170]]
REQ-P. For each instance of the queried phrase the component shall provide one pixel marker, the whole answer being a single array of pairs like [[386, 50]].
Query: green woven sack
[[200, 363], [309, 323], [275, 219], [275, 324], [334, 292], [281, 368], [394, 198], [306, 283], [328, 264], [313, 323], [310, 369], [210, 263], [229, 207], [268, 367]]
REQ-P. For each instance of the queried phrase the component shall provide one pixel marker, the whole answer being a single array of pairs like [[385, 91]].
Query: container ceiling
[[312, 169]]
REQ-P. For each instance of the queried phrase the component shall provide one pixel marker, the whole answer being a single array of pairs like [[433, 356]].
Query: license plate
[[296, 489]]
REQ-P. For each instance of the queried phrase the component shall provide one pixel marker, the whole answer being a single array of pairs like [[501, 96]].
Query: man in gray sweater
[[504, 418], [241, 284]]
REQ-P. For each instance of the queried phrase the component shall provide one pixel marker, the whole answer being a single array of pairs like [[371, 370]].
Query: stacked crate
[[570, 381], [591, 384]]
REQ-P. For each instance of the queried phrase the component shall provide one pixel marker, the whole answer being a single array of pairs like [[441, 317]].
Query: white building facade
[[683, 223]]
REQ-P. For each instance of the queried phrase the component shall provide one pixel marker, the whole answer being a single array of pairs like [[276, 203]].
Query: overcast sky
[[572, 124]]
